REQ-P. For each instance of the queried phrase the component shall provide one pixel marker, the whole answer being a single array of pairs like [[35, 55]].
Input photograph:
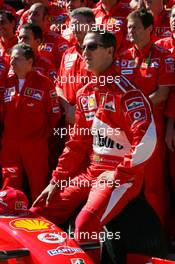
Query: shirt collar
[[9, 43], [113, 9], [142, 53], [158, 19]]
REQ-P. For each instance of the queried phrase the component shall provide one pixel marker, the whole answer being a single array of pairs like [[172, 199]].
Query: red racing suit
[[29, 117], [114, 131]]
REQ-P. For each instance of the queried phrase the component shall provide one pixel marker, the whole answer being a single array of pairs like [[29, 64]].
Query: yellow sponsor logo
[[96, 158], [112, 21], [91, 101], [28, 224]]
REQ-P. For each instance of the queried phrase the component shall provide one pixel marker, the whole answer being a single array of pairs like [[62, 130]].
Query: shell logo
[[96, 158], [31, 224]]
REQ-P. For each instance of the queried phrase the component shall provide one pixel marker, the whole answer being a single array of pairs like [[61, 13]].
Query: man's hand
[[70, 114], [48, 193], [106, 176], [170, 134], [69, 110], [160, 95]]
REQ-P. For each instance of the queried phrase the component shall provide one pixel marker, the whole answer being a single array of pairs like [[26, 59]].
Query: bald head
[[38, 15]]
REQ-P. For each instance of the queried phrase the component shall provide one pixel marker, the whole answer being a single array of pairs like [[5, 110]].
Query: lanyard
[[145, 63]]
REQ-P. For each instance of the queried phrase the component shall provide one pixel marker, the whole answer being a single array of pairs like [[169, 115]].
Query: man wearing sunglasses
[[115, 132]]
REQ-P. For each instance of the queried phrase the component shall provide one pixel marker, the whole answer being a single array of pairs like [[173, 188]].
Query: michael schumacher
[[114, 137]]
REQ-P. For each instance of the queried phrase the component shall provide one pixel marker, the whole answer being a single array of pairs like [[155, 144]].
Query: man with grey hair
[[31, 110]]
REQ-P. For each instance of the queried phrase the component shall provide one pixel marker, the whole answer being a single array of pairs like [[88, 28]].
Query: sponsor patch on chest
[[9, 93], [34, 93]]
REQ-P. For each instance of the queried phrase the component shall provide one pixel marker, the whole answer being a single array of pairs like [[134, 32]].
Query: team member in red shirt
[[32, 35], [53, 45], [66, 30], [146, 65], [102, 108], [56, 12], [152, 70], [7, 34], [6, 7], [170, 3], [31, 110], [112, 14], [169, 42], [72, 75], [170, 134], [161, 18]]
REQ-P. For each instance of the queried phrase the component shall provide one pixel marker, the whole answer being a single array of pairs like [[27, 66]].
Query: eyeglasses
[[91, 46]]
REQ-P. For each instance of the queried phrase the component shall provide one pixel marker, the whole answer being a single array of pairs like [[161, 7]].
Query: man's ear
[[31, 61], [14, 25], [150, 28], [39, 41], [111, 50]]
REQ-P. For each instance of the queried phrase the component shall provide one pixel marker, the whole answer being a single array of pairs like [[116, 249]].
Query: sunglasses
[[91, 46]]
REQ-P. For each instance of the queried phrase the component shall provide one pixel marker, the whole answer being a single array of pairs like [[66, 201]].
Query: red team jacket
[[32, 113], [5, 48], [53, 47]]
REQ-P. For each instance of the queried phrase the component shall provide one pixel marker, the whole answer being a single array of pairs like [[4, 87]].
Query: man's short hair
[[144, 15], [36, 30], [84, 11], [44, 8], [8, 15], [107, 38], [173, 7], [27, 51]]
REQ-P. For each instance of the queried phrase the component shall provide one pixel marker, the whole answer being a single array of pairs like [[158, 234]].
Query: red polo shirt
[[72, 74], [149, 68], [5, 47], [161, 26], [114, 21]]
